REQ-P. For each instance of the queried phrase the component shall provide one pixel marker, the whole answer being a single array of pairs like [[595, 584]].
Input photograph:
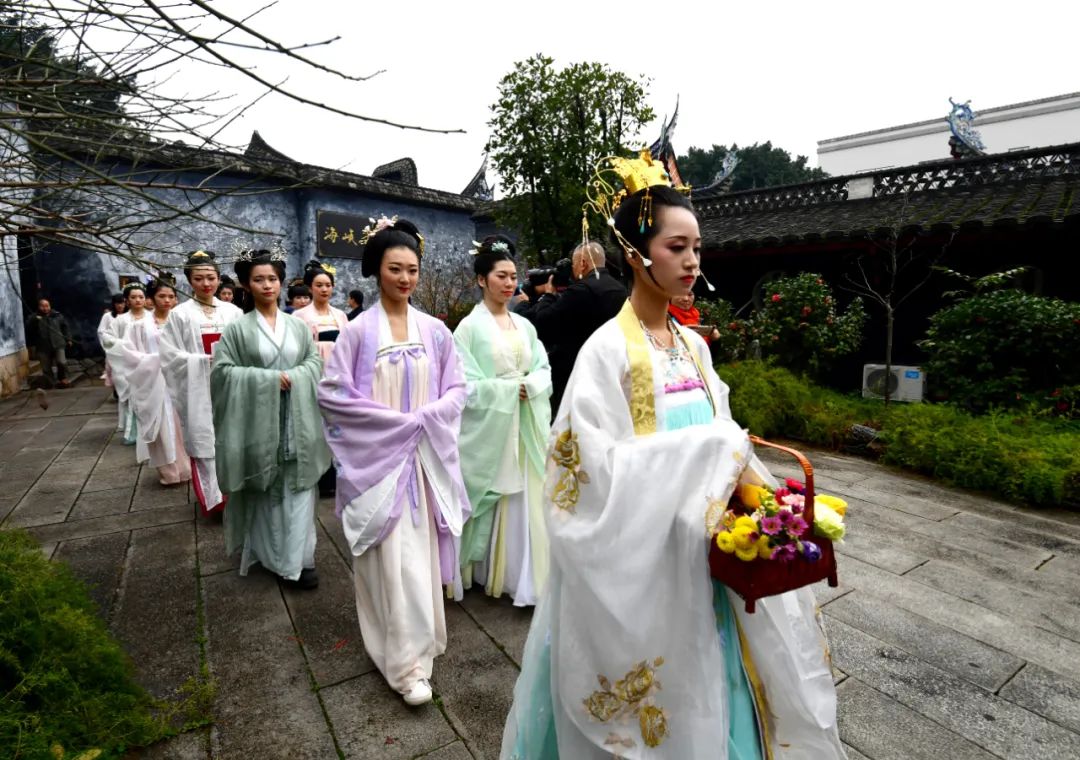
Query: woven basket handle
[[808, 473]]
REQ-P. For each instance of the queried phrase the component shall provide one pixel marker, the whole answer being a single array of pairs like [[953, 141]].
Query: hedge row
[[1019, 457]]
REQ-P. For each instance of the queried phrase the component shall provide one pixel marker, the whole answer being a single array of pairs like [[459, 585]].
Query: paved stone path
[[955, 631]]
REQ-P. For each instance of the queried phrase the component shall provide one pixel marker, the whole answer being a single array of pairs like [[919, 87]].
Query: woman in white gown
[[504, 432], [392, 397], [186, 345], [117, 305], [134, 313], [642, 444], [136, 359]]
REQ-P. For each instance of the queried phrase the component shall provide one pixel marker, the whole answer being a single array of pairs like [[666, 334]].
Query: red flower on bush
[[734, 326], [806, 311], [776, 297]]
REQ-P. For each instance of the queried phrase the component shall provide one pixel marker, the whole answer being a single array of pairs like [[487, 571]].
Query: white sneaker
[[419, 694]]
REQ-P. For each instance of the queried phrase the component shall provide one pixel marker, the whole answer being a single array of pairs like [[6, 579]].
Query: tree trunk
[[889, 319]]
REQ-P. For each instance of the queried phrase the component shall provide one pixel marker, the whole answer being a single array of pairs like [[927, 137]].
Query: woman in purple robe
[[392, 397]]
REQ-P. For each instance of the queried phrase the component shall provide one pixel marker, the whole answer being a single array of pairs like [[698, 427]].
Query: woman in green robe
[[504, 431], [269, 440]]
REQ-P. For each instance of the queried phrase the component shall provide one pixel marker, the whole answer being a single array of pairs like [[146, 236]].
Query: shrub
[[774, 402], [65, 684], [799, 324], [1021, 457], [721, 314], [1005, 348]]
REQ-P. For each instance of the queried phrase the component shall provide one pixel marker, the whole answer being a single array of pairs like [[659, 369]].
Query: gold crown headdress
[[635, 174]]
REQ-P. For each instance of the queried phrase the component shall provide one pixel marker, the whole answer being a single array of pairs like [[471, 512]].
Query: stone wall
[[79, 281]]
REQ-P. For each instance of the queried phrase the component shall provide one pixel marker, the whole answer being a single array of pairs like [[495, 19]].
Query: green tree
[[58, 94], [549, 129], [760, 165]]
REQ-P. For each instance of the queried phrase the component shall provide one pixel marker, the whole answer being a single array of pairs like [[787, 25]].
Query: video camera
[[563, 272]]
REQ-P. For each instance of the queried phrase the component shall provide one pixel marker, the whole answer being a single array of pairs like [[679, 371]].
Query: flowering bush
[[733, 332], [1006, 348], [774, 527], [800, 325]]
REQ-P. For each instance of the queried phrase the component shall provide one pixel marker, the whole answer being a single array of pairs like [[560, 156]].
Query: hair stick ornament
[[602, 198]]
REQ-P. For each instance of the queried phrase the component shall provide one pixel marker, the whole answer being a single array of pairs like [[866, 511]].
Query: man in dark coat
[[47, 332], [565, 321]]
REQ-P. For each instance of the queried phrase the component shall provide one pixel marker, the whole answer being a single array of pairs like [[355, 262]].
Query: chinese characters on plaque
[[338, 235]]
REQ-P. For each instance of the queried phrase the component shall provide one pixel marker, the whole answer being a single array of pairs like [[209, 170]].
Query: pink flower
[[795, 486], [793, 500], [784, 516], [797, 527], [780, 493], [785, 553], [771, 525]]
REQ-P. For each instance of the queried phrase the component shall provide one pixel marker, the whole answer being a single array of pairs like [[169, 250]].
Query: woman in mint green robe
[[270, 447], [504, 431]]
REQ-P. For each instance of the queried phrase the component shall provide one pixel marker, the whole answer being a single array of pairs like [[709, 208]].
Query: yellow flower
[[653, 722], [827, 522], [746, 522], [744, 537], [746, 555], [750, 495], [837, 504], [763, 549], [726, 542]]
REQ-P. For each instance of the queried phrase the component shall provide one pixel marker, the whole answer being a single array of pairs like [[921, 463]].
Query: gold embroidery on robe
[[642, 390], [631, 696], [567, 455]]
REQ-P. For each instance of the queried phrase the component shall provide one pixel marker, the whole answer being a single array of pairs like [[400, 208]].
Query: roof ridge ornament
[[965, 140]]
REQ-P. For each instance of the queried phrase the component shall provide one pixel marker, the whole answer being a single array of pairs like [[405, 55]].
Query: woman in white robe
[[136, 359], [642, 446], [135, 300], [186, 345], [117, 306]]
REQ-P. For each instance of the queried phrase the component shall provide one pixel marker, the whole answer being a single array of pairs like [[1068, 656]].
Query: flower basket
[[761, 577]]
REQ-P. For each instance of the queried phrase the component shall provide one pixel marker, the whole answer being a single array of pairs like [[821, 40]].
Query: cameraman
[[565, 321]]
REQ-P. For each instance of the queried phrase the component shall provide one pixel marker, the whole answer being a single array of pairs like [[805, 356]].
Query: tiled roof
[[260, 161], [1039, 186]]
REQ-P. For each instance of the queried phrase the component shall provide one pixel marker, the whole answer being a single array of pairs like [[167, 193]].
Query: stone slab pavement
[[955, 630]]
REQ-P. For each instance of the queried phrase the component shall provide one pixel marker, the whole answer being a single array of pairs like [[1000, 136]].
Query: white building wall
[[1037, 124]]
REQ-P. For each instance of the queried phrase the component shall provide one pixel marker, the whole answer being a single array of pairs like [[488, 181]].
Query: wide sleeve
[[627, 525], [144, 387], [119, 360], [309, 441], [488, 415], [536, 422], [186, 368], [247, 414], [368, 440]]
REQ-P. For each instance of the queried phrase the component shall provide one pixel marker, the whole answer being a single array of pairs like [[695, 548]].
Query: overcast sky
[[790, 72]]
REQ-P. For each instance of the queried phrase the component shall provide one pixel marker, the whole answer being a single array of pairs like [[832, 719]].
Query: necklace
[[675, 349]]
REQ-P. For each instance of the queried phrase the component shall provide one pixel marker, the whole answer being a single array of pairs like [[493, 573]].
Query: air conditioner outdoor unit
[[904, 383]]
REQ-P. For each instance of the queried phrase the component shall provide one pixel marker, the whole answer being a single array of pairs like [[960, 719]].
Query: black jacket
[[47, 334], [564, 322]]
